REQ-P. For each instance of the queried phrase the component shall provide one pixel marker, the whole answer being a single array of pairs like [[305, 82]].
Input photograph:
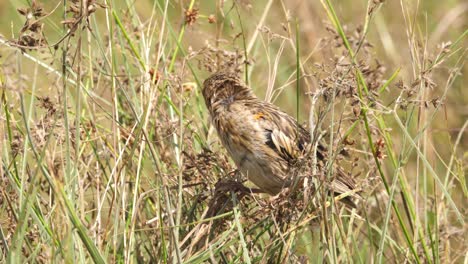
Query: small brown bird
[[262, 140]]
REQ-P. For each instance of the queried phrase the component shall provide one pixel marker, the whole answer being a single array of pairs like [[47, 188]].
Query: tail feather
[[344, 186]]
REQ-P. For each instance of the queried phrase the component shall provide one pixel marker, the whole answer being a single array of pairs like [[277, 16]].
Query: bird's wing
[[283, 134], [289, 140]]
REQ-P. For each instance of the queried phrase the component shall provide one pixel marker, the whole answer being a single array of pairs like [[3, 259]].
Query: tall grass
[[108, 154]]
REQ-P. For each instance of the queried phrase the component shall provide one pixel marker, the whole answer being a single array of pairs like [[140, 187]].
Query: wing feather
[[283, 134]]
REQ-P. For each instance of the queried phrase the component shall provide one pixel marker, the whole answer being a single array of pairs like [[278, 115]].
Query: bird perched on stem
[[263, 141]]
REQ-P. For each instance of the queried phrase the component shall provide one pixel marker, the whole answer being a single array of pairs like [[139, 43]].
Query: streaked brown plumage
[[262, 140]]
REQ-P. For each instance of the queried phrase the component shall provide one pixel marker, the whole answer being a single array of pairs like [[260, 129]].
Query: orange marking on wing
[[258, 116]]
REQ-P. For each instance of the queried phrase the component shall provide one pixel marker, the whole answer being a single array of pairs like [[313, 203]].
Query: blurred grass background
[[105, 134]]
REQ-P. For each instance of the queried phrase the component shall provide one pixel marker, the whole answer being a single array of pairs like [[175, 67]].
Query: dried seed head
[[191, 16], [211, 19]]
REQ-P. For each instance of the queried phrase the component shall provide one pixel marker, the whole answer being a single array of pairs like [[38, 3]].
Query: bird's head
[[225, 88]]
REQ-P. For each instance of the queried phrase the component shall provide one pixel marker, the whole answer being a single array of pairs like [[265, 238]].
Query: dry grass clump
[[108, 155]]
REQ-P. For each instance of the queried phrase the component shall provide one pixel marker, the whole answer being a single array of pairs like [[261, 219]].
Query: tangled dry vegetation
[[108, 155]]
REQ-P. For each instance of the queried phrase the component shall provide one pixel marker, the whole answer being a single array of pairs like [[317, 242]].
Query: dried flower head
[[191, 16]]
